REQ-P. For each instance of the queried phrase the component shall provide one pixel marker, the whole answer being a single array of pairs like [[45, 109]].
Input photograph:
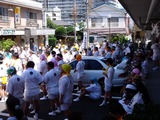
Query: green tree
[[70, 30], [60, 32], [81, 26], [6, 44], [52, 40], [50, 24]]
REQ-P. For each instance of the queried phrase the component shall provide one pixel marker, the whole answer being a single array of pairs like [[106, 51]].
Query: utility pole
[[87, 23], [45, 20], [88, 7], [75, 20]]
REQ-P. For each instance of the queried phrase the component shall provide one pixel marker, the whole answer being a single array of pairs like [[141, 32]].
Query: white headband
[[132, 87]]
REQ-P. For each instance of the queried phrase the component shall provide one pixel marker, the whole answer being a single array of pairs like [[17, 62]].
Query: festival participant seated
[[131, 97], [94, 91]]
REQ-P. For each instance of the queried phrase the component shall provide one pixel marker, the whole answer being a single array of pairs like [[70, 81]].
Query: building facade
[[54, 14], [22, 22], [67, 8], [106, 20]]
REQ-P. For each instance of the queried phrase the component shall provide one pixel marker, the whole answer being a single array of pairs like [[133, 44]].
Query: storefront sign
[[8, 32], [17, 15]]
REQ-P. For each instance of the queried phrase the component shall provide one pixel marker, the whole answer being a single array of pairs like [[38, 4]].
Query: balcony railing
[[114, 24], [4, 18], [106, 25], [33, 21]]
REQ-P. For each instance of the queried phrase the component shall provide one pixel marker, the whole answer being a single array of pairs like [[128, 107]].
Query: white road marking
[[114, 97]]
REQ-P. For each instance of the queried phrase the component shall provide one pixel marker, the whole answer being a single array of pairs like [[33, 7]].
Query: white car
[[94, 69]]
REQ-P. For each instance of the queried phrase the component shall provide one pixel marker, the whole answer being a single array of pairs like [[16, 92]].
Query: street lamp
[[109, 21]]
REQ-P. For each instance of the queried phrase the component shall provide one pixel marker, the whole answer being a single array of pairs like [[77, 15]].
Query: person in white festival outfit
[[15, 86], [80, 70], [94, 91], [51, 80], [32, 79], [132, 96], [42, 68], [109, 74], [156, 54], [65, 90]]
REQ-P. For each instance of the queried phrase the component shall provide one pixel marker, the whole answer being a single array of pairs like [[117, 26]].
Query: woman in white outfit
[[65, 90]]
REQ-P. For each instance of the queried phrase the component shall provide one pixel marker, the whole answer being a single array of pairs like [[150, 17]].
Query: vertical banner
[[17, 15], [84, 44]]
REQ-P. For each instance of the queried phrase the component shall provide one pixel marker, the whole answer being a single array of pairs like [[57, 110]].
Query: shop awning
[[29, 32]]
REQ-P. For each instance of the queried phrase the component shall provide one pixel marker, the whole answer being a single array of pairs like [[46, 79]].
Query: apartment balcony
[[106, 25], [31, 22]]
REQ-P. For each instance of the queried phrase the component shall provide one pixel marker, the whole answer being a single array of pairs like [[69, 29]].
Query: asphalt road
[[89, 109]]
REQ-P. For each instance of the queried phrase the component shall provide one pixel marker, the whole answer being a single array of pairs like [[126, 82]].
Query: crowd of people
[[25, 71]]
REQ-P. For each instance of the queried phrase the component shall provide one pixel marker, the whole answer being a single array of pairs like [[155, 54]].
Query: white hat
[[131, 86]]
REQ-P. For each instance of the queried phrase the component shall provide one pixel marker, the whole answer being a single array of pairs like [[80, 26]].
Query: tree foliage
[[70, 30], [52, 40], [81, 26], [50, 24], [60, 32], [119, 38], [6, 44]]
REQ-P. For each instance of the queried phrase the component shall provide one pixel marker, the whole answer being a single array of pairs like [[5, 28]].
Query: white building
[[106, 20], [21, 20], [54, 14]]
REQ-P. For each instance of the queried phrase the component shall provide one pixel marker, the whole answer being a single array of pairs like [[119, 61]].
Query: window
[[31, 15], [92, 65], [96, 22], [114, 21], [53, 14], [3, 14]]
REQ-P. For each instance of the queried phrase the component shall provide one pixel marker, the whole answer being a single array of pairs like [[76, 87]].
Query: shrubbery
[[6, 44]]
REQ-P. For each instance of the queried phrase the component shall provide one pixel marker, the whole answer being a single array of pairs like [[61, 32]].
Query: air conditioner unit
[[103, 24]]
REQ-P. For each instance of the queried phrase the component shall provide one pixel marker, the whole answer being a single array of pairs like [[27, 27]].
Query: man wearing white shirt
[[94, 91], [132, 97], [51, 80], [32, 80], [65, 90], [96, 52], [156, 54], [80, 70], [15, 85]]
